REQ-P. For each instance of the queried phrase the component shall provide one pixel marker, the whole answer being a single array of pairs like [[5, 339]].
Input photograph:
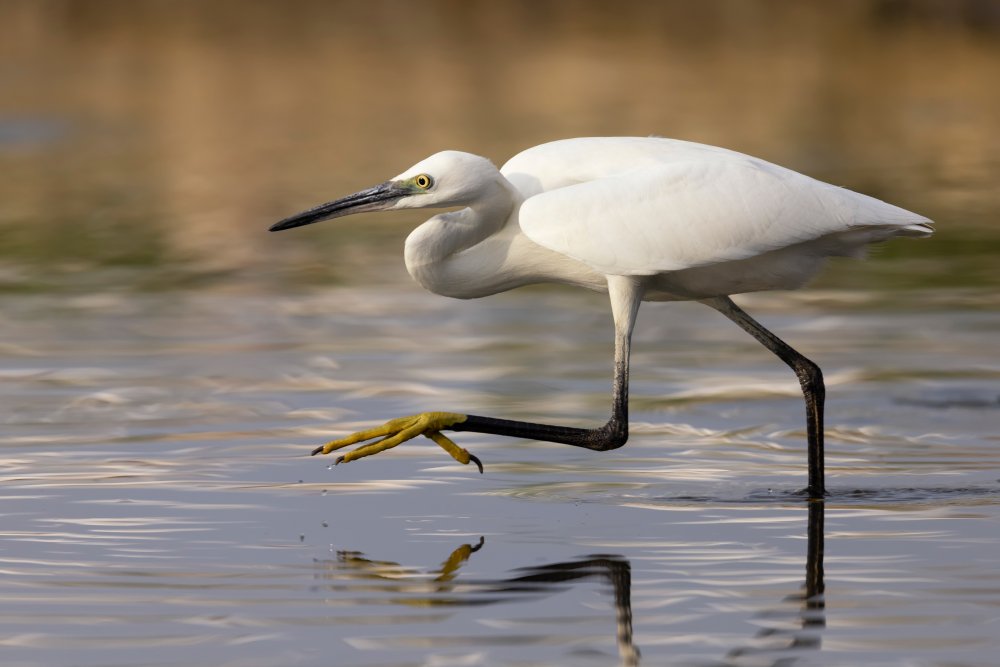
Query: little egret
[[642, 219]]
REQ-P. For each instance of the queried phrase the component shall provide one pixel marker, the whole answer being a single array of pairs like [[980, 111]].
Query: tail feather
[[918, 230]]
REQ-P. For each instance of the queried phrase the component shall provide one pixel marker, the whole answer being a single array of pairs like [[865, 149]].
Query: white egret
[[643, 219]]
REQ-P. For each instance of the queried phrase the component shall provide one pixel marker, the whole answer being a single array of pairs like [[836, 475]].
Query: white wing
[[672, 205]]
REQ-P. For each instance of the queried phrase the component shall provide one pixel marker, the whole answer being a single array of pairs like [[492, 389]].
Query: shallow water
[[160, 507]]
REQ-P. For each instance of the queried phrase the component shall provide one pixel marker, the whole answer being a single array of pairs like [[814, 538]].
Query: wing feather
[[676, 215]]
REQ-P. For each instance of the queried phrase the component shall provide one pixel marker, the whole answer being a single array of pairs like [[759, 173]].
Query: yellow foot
[[397, 431]]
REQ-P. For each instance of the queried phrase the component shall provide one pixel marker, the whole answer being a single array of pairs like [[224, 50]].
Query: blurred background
[[148, 144]]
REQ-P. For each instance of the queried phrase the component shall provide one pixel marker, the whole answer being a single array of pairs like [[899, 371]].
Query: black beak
[[373, 199]]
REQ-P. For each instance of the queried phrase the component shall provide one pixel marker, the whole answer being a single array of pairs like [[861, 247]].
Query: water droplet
[[326, 525], [323, 493]]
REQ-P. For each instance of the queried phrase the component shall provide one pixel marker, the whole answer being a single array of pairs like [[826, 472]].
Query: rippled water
[[160, 507]]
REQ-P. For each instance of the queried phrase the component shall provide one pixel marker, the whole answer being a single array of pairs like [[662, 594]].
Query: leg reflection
[[414, 587], [615, 570], [781, 645], [811, 611]]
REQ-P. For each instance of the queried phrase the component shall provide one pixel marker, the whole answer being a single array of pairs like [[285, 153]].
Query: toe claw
[[479, 464], [340, 459], [316, 451]]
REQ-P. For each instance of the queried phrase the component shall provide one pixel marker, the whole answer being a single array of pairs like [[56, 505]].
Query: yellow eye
[[423, 181]]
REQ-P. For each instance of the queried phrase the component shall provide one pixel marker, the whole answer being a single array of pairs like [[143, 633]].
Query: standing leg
[[810, 378]]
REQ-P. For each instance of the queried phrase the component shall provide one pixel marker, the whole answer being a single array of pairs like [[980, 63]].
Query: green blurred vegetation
[[148, 143]]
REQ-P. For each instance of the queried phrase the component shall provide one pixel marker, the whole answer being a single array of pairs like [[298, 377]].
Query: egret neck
[[447, 253]]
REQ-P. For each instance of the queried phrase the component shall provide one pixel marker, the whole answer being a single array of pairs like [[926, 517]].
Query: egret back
[[645, 206]]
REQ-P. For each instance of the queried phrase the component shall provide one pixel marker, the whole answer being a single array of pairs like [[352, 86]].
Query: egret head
[[448, 178]]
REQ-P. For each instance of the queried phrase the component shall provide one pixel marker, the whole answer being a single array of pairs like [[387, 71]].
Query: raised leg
[[810, 379], [626, 295]]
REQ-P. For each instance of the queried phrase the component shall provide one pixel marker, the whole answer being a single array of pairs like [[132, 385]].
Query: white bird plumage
[[649, 219], [678, 212]]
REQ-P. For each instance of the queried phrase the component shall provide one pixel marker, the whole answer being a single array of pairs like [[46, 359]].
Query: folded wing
[[720, 207]]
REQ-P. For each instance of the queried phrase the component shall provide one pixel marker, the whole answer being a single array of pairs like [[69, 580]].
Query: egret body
[[642, 219]]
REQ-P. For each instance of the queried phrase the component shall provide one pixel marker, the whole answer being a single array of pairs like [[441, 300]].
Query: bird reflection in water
[[442, 588]]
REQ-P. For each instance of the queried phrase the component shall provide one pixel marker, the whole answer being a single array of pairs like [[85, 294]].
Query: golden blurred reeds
[[167, 134]]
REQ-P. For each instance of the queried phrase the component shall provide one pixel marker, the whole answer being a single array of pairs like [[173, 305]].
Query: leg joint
[[810, 375], [612, 435]]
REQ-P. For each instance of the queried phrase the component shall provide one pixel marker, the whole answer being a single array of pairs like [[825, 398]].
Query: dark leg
[[626, 294], [810, 378]]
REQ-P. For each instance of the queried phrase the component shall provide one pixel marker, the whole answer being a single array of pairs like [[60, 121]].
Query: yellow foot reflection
[[388, 570], [397, 431], [409, 580]]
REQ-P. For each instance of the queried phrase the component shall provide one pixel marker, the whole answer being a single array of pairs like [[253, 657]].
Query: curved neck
[[450, 233]]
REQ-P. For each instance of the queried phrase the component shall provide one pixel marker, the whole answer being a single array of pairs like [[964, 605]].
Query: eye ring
[[423, 181]]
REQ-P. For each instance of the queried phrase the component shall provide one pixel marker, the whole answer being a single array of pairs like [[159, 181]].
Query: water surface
[[160, 506]]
